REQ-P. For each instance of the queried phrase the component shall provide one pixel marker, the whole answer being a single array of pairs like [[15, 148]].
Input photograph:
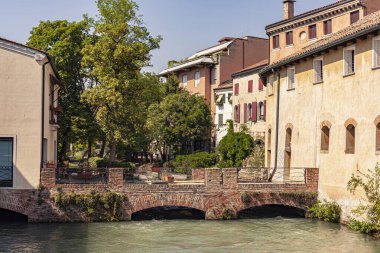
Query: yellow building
[[323, 108], [29, 87]]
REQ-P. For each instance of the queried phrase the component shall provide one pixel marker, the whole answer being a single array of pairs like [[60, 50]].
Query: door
[[288, 154], [6, 162]]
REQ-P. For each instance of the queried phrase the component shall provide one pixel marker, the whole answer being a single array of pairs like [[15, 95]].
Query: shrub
[[196, 160], [97, 162], [329, 212], [364, 226]]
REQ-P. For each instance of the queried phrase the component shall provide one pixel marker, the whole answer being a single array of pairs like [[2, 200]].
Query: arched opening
[[288, 153], [325, 139], [271, 211], [169, 213], [350, 139], [7, 216]]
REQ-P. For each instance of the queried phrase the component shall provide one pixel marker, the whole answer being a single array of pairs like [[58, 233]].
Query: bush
[[97, 162], [364, 226], [197, 160], [329, 212]]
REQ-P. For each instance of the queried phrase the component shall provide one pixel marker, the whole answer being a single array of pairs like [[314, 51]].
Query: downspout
[[43, 115], [277, 126]]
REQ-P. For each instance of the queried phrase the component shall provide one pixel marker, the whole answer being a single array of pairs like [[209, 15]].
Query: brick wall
[[230, 178], [198, 174]]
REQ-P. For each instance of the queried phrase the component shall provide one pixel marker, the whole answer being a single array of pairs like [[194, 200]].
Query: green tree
[[179, 120], [234, 147], [121, 49], [64, 41], [370, 183]]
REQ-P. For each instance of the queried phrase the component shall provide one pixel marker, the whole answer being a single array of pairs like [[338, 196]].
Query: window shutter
[[245, 113], [260, 84], [346, 62], [236, 89], [354, 16], [238, 114], [254, 111], [250, 86], [265, 110]]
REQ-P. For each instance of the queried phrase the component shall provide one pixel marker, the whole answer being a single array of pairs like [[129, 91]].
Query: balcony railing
[[264, 175]]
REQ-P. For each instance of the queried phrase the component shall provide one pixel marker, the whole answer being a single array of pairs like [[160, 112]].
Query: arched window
[[378, 137], [350, 139], [325, 138]]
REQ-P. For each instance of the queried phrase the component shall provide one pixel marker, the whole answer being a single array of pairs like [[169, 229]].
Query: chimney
[[288, 9]]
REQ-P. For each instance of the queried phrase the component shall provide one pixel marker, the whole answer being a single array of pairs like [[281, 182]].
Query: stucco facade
[[223, 111], [334, 105], [249, 101], [23, 103]]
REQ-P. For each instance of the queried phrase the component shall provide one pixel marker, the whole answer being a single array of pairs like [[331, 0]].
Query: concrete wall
[[20, 115], [336, 100], [256, 129]]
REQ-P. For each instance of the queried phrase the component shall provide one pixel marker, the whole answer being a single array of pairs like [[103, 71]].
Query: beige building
[[212, 68], [249, 100], [323, 108], [29, 101]]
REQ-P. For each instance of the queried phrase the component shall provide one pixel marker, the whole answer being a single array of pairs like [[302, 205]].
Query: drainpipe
[[277, 126], [40, 58]]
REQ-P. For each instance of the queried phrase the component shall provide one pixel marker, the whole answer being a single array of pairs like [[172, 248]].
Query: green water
[[259, 235]]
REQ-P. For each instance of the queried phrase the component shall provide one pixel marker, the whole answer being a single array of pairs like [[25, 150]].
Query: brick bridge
[[220, 196]]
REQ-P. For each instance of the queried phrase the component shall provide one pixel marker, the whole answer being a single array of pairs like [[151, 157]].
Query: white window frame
[[315, 70], [345, 65], [197, 78], [184, 84], [291, 86], [14, 151], [271, 84], [215, 73], [375, 55]]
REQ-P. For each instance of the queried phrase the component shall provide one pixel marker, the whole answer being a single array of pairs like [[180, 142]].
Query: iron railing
[[81, 175], [264, 175]]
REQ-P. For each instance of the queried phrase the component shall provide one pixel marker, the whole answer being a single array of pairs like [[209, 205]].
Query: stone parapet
[[230, 178], [213, 179], [198, 174]]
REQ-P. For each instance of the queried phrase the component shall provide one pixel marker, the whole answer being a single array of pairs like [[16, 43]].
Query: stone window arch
[[350, 136], [325, 136]]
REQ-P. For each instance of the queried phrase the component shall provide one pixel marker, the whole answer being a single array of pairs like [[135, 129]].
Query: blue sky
[[186, 26]]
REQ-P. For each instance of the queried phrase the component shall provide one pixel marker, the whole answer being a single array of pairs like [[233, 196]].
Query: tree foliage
[[179, 119], [122, 48], [234, 148]]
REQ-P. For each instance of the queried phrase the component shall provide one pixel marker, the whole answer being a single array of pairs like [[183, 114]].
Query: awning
[[203, 60]]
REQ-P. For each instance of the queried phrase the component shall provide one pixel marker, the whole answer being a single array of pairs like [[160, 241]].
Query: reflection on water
[[262, 235]]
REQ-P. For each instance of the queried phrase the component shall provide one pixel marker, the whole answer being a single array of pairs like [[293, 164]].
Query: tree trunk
[[113, 151], [89, 155], [103, 148], [62, 153]]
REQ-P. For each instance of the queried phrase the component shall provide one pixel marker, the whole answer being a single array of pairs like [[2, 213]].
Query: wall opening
[[7, 216], [288, 153], [271, 211], [325, 139], [350, 139], [378, 137], [169, 213]]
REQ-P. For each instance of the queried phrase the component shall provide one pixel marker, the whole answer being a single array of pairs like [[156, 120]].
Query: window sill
[[375, 68], [313, 39], [315, 83], [377, 152], [348, 75], [276, 49], [324, 151], [291, 89], [349, 153], [270, 95], [289, 46]]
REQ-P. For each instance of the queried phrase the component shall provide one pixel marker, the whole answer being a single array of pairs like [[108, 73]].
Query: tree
[[178, 120], [121, 49], [234, 147], [64, 41]]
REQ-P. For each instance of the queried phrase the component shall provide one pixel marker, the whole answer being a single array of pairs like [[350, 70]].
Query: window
[[270, 86], [318, 70], [261, 110], [350, 139], [184, 81], [378, 137], [250, 86], [354, 17], [237, 113], [312, 32], [197, 78], [289, 38], [376, 52], [250, 112], [215, 73], [325, 138], [221, 122], [349, 60], [276, 41], [327, 27], [291, 78], [6, 162], [236, 89], [261, 86]]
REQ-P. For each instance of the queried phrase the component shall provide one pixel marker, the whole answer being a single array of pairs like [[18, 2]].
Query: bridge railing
[[263, 175], [66, 175]]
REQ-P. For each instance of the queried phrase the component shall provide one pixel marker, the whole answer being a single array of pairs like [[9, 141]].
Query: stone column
[[312, 177], [116, 178], [230, 178]]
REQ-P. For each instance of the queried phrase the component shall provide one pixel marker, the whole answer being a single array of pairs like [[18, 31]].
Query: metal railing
[[160, 175], [265, 175], [81, 175]]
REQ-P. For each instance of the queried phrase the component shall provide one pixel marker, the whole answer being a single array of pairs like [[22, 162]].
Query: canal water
[[182, 236]]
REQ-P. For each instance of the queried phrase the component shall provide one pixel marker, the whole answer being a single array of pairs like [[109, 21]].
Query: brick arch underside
[[140, 203], [15, 204]]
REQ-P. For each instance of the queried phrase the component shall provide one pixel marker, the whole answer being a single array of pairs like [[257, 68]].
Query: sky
[[187, 26]]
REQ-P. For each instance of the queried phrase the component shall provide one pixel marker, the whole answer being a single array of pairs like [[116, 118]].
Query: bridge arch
[[16, 204]]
